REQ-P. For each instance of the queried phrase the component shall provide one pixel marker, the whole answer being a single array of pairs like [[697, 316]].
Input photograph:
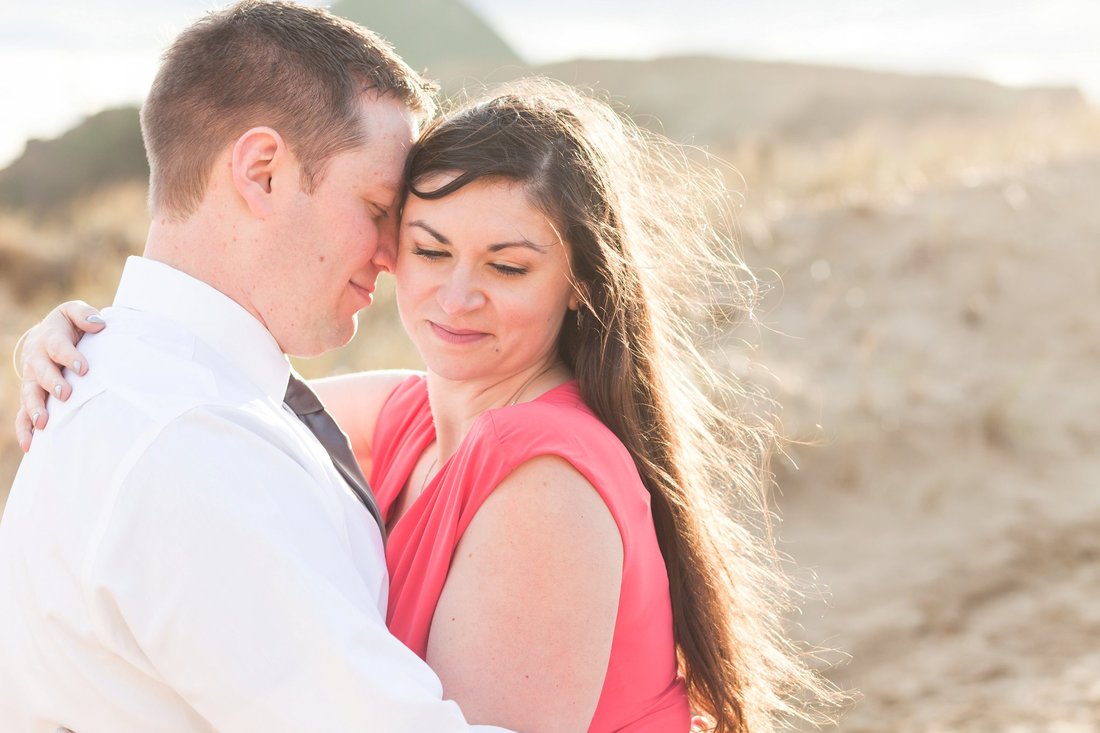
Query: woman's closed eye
[[430, 254], [434, 255], [510, 270]]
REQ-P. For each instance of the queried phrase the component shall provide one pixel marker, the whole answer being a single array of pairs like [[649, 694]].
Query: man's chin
[[307, 346]]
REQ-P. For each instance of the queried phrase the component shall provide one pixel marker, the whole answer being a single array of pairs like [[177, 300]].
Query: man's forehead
[[374, 106], [386, 181], [390, 131]]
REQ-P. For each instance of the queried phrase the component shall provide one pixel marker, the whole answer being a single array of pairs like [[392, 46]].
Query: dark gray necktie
[[308, 408]]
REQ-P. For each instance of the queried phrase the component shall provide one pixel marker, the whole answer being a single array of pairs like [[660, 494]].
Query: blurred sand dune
[[948, 344]]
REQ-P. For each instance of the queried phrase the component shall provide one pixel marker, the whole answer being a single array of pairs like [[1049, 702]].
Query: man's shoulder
[[147, 364]]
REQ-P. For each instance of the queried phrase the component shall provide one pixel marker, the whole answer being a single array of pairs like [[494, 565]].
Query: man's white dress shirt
[[178, 553]]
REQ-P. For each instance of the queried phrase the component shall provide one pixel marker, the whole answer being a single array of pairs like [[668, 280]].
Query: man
[[179, 552]]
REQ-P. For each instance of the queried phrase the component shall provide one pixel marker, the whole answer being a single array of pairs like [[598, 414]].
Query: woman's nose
[[460, 293]]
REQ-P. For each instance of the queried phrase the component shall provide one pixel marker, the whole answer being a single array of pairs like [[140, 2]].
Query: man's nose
[[385, 254]]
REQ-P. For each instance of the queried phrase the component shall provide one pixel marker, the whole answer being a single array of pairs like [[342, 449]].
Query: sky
[[66, 59]]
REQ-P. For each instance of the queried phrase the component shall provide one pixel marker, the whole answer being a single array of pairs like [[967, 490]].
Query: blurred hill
[[104, 149], [444, 39], [724, 105], [722, 102]]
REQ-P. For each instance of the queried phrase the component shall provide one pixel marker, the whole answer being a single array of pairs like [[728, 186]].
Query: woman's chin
[[452, 370]]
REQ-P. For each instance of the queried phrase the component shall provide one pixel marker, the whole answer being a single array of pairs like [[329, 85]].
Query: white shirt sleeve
[[219, 571]]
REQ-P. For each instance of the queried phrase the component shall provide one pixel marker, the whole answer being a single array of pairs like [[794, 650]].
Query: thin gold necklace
[[528, 383], [428, 476]]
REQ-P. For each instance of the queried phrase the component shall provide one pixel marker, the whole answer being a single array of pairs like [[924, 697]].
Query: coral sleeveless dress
[[641, 692]]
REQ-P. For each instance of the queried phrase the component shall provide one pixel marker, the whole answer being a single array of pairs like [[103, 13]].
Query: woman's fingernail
[[34, 419], [77, 365], [57, 391], [95, 319]]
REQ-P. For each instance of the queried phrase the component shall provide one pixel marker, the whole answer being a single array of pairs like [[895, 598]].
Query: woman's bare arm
[[522, 633]]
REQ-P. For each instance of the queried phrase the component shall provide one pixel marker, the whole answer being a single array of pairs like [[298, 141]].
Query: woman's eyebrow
[[518, 243], [439, 237], [524, 242]]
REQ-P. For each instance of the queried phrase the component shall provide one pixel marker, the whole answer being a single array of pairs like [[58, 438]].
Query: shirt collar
[[215, 318]]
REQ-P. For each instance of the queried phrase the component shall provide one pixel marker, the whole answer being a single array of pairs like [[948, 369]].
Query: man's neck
[[202, 251]]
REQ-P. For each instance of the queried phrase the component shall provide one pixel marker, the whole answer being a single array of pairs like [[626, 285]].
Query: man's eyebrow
[[439, 237], [386, 195]]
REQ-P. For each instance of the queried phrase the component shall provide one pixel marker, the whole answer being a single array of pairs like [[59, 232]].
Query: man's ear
[[259, 155]]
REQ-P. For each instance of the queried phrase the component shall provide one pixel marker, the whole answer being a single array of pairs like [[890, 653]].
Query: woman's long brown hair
[[656, 264]]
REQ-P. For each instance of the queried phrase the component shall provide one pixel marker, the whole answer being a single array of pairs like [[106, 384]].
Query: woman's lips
[[456, 335]]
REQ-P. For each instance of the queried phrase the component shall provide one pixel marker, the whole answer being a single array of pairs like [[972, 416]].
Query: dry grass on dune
[[886, 158]]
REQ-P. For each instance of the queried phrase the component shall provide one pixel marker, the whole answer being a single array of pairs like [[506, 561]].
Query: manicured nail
[[57, 391], [34, 419], [95, 319], [77, 365]]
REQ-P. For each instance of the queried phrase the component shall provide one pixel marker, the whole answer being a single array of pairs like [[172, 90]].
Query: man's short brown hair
[[297, 69]]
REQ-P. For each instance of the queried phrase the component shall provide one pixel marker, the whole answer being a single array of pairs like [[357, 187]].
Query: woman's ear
[[258, 156], [578, 296]]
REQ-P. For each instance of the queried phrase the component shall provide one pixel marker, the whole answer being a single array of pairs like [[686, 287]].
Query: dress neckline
[[428, 436]]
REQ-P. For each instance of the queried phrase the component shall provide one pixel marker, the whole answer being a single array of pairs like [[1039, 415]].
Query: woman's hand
[[47, 348]]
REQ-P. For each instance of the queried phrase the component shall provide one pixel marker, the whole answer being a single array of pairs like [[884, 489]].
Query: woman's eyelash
[[429, 254], [435, 254]]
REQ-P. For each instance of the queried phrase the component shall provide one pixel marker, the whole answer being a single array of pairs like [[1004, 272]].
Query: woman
[[550, 483]]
